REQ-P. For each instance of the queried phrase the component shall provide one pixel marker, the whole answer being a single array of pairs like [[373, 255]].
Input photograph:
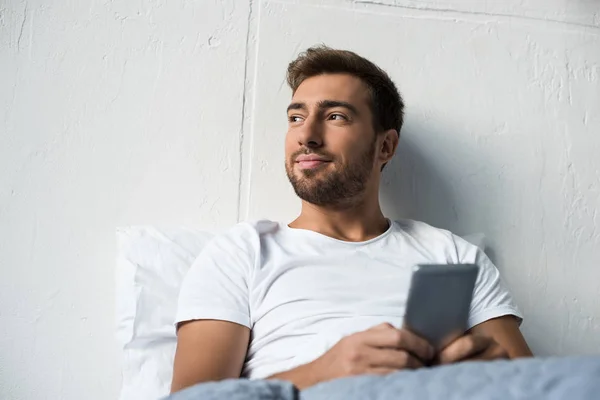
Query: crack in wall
[[22, 28], [477, 13]]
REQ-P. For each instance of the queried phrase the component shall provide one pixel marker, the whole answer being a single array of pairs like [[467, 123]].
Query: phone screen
[[439, 300]]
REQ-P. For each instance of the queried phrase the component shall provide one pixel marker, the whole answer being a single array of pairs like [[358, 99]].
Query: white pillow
[[151, 264]]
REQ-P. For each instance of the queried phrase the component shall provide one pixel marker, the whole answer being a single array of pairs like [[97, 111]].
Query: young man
[[323, 297]]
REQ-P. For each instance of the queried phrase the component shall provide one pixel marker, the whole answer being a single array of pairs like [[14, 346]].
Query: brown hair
[[386, 103]]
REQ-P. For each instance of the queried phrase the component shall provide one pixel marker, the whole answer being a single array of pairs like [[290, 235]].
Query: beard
[[336, 188]]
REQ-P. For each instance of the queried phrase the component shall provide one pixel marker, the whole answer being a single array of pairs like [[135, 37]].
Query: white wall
[[160, 112]]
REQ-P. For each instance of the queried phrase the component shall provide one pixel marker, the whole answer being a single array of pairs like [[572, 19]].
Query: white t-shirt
[[300, 292]]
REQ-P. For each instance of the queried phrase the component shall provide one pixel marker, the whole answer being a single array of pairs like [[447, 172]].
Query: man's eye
[[338, 117], [294, 118]]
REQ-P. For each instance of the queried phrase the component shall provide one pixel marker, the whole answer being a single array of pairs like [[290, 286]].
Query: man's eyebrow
[[324, 104], [297, 106]]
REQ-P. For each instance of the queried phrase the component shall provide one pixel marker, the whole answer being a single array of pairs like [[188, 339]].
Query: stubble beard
[[332, 187]]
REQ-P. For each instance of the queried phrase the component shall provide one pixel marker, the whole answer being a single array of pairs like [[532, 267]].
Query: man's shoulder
[[420, 229], [248, 232], [431, 237], [242, 240], [258, 226]]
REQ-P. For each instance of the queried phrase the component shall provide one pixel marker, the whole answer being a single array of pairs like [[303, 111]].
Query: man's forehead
[[338, 87]]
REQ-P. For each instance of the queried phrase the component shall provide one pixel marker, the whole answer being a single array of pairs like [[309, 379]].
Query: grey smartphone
[[439, 300]]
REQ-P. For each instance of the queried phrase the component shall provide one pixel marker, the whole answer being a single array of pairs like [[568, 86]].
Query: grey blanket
[[572, 378]]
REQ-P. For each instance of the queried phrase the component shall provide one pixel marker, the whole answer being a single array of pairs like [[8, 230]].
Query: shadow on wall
[[422, 182], [413, 187]]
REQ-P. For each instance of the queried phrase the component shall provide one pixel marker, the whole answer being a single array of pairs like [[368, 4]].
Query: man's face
[[330, 143]]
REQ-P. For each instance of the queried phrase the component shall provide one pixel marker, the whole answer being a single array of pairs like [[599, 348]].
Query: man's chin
[[312, 172], [304, 184], [311, 177]]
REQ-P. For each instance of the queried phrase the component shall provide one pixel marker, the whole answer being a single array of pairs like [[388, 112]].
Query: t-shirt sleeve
[[491, 299], [216, 286]]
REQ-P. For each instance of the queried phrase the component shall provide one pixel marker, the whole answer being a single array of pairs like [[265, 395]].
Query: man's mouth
[[311, 164], [311, 161]]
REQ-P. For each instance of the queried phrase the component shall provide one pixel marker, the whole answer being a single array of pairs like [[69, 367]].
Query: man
[[323, 297]]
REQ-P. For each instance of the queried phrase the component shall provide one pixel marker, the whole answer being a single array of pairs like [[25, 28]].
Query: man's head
[[344, 123]]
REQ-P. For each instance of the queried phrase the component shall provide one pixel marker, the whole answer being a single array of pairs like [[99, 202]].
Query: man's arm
[[208, 350], [505, 331], [493, 339]]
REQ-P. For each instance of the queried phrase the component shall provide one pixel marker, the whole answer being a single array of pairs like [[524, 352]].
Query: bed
[[571, 378], [151, 263]]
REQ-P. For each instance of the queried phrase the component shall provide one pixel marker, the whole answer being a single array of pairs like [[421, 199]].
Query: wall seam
[[246, 106]]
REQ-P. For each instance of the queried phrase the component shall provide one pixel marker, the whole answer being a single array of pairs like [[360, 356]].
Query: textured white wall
[[173, 112]]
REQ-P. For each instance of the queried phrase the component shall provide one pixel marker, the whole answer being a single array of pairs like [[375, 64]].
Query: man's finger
[[401, 339], [411, 342], [392, 358], [383, 326], [464, 347]]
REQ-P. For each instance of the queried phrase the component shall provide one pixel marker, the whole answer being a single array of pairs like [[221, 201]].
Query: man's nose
[[311, 134]]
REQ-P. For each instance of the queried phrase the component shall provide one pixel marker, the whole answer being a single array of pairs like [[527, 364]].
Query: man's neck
[[358, 223]]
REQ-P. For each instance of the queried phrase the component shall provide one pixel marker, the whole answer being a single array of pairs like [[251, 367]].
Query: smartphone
[[439, 300]]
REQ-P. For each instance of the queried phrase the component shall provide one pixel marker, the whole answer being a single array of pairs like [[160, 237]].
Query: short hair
[[386, 102]]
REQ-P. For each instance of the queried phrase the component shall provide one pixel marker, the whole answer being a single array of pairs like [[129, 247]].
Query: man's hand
[[470, 348], [379, 350], [496, 338]]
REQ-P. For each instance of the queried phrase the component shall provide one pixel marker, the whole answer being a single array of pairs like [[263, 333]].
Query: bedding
[[569, 378]]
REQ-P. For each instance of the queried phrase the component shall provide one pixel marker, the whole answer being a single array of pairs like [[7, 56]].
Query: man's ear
[[388, 146]]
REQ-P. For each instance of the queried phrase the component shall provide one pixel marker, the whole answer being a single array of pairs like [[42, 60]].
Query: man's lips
[[309, 164], [309, 161]]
